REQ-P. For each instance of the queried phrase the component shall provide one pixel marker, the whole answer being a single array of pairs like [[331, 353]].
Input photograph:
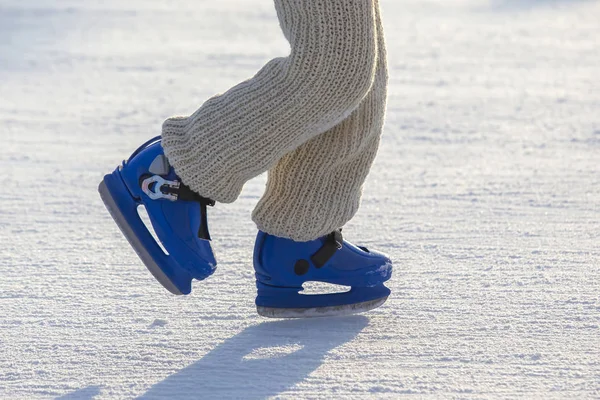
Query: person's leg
[[244, 132], [311, 193], [316, 188]]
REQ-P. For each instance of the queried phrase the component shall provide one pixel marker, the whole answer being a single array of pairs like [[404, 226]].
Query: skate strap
[[203, 228], [333, 243], [156, 187], [183, 192]]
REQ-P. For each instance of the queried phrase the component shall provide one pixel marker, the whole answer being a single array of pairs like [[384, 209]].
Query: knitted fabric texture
[[312, 119]]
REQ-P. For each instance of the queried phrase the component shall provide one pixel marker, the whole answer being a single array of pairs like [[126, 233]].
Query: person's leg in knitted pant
[[244, 132], [317, 187]]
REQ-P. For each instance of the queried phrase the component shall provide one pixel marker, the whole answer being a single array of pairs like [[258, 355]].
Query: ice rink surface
[[486, 193]]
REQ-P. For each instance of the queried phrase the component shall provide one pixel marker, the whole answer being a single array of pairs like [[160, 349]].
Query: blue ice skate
[[177, 214], [283, 265]]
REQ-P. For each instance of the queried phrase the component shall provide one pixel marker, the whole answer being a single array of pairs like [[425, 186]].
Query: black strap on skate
[[203, 228], [183, 192], [333, 243]]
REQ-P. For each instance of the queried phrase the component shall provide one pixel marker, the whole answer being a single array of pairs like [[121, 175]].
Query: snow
[[486, 194]]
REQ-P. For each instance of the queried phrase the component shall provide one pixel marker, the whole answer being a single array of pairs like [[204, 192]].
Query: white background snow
[[486, 193]]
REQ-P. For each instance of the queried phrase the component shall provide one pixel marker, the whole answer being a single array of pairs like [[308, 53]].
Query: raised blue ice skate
[[282, 266], [177, 214]]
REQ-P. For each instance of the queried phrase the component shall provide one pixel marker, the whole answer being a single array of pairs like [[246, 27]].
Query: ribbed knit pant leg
[[317, 187], [235, 136]]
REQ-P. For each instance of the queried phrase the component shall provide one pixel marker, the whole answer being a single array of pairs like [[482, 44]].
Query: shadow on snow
[[261, 361]]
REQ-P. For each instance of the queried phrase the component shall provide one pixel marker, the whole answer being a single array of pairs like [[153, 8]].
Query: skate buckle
[[153, 187]]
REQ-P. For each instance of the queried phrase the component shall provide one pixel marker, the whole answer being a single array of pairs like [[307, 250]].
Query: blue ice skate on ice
[[177, 214], [283, 265]]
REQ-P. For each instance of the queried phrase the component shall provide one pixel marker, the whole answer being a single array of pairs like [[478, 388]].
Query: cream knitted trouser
[[312, 119]]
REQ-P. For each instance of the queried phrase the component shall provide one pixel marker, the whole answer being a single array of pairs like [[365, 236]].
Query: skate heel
[[271, 296], [123, 208]]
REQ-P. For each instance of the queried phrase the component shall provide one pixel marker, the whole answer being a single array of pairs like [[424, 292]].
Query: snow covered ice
[[486, 193]]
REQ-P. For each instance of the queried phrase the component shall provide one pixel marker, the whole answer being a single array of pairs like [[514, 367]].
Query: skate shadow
[[261, 361]]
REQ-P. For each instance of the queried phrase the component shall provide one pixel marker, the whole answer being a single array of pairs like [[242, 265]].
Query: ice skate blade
[[133, 240], [315, 312]]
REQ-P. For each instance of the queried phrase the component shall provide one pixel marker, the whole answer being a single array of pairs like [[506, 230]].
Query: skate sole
[[315, 312], [133, 240]]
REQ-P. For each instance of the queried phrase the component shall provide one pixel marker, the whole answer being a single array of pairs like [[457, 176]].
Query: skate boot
[[283, 265], [177, 214]]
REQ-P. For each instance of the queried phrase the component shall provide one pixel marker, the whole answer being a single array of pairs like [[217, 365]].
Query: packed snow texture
[[486, 194]]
